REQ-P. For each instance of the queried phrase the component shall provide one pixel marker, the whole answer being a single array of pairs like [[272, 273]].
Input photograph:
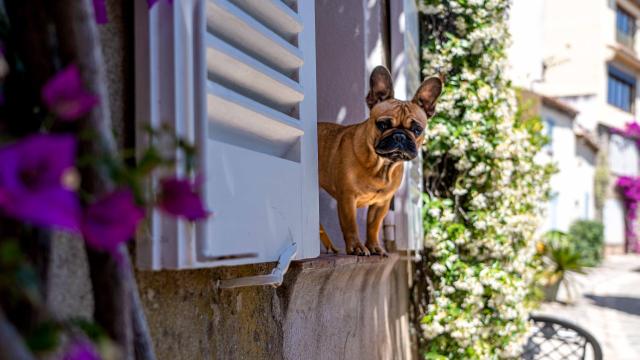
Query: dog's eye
[[383, 125], [416, 129]]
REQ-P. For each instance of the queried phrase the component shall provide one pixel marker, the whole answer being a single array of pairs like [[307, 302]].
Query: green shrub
[[588, 238]]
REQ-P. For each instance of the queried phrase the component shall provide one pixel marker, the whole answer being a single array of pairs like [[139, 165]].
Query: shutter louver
[[255, 128], [253, 96]]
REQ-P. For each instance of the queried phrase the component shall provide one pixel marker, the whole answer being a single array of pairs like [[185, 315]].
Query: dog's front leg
[[349, 226], [375, 216]]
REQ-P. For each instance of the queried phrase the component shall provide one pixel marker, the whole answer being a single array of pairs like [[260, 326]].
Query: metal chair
[[557, 339]]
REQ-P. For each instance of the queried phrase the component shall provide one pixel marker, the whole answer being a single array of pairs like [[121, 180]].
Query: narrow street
[[606, 302]]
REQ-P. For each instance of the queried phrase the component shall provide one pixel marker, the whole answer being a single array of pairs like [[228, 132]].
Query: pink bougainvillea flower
[[150, 3], [81, 350], [179, 197], [111, 221], [630, 188], [633, 128], [31, 181], [100, 10], [65, 95]]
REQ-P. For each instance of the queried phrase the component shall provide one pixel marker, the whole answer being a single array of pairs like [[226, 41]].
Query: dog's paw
[[358, 249], [377, 250]]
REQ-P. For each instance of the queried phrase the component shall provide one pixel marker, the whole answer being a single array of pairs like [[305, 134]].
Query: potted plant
[[560, 256]]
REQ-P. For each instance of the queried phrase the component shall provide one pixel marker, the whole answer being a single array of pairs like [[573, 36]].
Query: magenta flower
[[179, 197], [65, 95], [111, 221], [100, 11], [630, 188], [31, 181], [81, 350]]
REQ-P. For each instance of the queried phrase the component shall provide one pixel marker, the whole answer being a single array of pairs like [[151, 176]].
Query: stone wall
[[334, 307]]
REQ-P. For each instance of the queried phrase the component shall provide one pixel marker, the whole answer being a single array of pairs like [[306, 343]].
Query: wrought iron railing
[[626, 40]]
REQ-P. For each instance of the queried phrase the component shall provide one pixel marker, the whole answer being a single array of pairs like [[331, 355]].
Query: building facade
[[573, 152], [584, 54]]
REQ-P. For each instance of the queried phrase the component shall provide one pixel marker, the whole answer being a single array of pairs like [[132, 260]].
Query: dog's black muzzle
[[397, 146]]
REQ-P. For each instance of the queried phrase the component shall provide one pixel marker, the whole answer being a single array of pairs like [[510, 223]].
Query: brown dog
[[362, 164]]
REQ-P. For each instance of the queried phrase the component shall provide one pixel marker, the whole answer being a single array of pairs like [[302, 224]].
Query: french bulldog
[[363, 164]]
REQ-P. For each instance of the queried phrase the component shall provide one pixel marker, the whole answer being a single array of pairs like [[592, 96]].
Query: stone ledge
[[325, 261], [330, 307]]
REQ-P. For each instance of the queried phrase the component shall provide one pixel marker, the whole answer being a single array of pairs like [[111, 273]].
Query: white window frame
[[171, 86], [407, 216]]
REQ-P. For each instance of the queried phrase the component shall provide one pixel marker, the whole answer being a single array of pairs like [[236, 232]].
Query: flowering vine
[[484, 192], [630, 189], [42, 190], [631, 130], [37, 177]]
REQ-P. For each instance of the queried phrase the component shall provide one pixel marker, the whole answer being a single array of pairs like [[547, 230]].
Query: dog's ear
[[380, 86], [428, 93]]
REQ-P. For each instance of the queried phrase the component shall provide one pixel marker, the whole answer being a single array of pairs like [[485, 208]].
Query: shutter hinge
[[274, 279]]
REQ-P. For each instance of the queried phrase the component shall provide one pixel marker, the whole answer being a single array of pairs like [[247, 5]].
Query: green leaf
[[149, 161], [10, 253], [44, 338], [434, 356], [91, 329], [27, 281]]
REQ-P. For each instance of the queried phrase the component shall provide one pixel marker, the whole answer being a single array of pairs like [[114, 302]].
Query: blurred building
[[582, 54], [571, 200]]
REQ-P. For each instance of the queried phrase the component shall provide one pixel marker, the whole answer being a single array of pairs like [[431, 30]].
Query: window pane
[[621, 89], [625, 22], [610, 90], [616, 93], [624, 97]]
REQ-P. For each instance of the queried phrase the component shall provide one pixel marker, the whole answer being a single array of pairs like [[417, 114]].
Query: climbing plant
[[484, 193], [601, 181], [62, 176], [629, 188]]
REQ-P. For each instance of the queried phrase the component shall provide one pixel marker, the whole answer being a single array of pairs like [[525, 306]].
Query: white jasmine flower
[[438, 269], [479, 202], [430, 9], [477, 47], [459, 191]]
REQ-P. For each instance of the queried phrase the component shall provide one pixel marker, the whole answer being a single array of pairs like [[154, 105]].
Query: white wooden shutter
[[244, 90], [623, 156]]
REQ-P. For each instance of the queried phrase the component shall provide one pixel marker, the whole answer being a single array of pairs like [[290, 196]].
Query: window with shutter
[[238, 78], [623, 156]]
